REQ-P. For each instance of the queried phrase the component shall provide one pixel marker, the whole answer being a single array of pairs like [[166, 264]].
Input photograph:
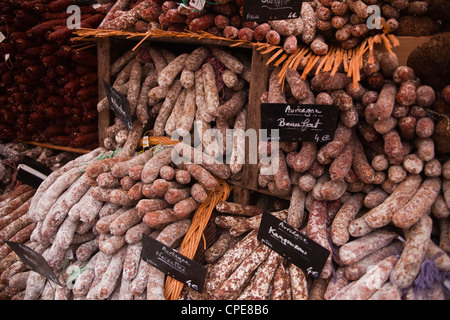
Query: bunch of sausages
[[371, 195], [15, 225], [48, 89], [89, 217], [176, 95], [365, 263], [320, 23]]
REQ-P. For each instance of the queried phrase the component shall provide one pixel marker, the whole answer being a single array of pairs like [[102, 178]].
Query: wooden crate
[[258, 85]]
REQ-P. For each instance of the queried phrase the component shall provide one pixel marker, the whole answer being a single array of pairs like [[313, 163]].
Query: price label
[[119, 104], [173, 264], [33, 260], [266, 10], [292, 245], [300, 122], [197, 4]]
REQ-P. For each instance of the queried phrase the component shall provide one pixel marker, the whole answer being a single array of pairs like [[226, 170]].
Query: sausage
[[276, 94], [230, 261], [231, 287], [55, 191], [230, 62], [202, 23], [199, 193], [341, 165], [419, 205], [317, 231], [309, 18], [112, 274], [385, 102], [122, 168], [261, 31], [299, 87], [166, 108], [305, 157], [102, 225], [154, 164], [357, 249], [259, 287], [325, 81], [135, 192], [210, 89], [364, 287], [185, 207], [124, 221], [174, 195], [393, 146], [238, 209], [160, 186], [425, 148], [283, 27], [182, 176], [342, 219], [120, 197], [359, 268], [215, 167], [281, 284], [336, 284], [413, 254], [196, 58], [424, 128], [134, 234], [360, 164], [111, 243], [273, 37], [131, 261], [382, 214], [232, 107], [159, 219]]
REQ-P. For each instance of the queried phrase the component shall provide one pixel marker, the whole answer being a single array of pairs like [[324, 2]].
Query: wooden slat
[[258, 84], [104, 73]]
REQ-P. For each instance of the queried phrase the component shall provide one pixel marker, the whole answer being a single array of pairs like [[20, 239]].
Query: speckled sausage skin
[[339, 226], [232, 287], [230, 260], [359, 268], [382, 214], [317, 231], [419, 205], [385, 102], [357, 249], [413, 253], [364, 287]]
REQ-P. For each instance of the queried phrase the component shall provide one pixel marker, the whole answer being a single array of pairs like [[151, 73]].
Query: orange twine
[[193, 236]]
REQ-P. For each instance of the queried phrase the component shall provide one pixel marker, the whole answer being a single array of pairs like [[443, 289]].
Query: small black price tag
[[266, 10], [33, 260], [119, 104], [292, 245], [173, 264], [300, 122]]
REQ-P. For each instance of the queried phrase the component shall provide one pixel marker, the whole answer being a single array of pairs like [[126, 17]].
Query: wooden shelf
[[55, 147]]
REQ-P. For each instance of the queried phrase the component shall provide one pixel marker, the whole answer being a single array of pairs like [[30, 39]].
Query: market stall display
[[179, 88]]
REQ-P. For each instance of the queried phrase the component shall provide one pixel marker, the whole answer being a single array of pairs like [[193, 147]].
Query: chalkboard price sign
[[300, 122], [33, 261], [173, 264], [119, 104], [292, 245], [266, 10]]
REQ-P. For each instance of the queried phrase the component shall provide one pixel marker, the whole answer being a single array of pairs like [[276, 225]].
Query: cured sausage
[[382, 214], [413, 254], [357, 249], [419, 205]]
